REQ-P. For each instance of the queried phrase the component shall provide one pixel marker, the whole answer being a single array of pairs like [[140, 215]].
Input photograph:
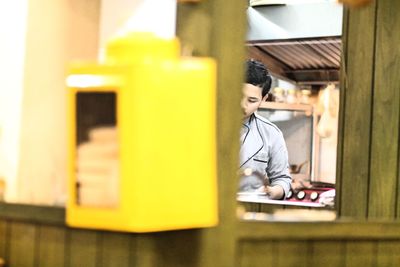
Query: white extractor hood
[[300, 42], [293, 21]]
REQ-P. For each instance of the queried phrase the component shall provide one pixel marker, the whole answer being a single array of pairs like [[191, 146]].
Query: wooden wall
[[30, 244], [345, 253], [370, 107]]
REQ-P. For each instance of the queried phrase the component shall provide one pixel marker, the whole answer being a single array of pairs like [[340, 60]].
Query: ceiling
[[304, 61]]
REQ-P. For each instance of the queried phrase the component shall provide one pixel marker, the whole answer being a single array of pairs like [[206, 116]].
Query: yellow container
[[142, 139]]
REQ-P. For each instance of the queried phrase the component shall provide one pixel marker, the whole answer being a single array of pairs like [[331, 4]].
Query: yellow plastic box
[[161, 146]]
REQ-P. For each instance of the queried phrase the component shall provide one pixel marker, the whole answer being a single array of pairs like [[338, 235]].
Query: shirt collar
[[248, 120]]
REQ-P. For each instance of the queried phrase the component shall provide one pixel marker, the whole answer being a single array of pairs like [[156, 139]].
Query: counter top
[[265, 200]]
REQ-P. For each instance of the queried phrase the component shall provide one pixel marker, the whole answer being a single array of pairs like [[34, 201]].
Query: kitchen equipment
[[297, 168], [308, 195]]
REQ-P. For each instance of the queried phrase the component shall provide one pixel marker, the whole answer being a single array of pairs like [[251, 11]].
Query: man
[[263, 149]]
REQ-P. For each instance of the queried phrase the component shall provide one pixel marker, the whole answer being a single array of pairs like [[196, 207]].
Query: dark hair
[[258, 75]]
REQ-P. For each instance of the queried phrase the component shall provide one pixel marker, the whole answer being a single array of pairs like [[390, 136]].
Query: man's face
[[251, 100]]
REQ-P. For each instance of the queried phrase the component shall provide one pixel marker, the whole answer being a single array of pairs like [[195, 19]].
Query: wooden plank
[[32, 213], [22, 246], [3, 239], [145, 253], [51, 246], [194, 26], [335, 230], [256, 254], [81, 250], [360, 253], [385, 133], [115, 249], [388, 253], [227, 46], [342, 95], [248, 206], [357, 112], [293, 253], [208, 26], [180, 254], [327, 253]]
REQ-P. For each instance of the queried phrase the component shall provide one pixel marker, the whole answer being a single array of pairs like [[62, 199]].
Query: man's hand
[[274, 192]]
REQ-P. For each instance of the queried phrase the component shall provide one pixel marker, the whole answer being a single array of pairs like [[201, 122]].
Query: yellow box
[[163, 108]]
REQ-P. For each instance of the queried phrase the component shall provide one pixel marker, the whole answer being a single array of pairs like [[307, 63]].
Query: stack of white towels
[[327, 198], [98, 168]]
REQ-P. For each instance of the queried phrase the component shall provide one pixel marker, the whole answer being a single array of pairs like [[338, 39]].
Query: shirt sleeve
[[278, 167]]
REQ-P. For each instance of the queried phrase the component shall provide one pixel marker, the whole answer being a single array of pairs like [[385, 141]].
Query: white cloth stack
[[98, 168]]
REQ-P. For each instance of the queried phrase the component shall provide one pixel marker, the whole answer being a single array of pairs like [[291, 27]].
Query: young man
[[263, 149]]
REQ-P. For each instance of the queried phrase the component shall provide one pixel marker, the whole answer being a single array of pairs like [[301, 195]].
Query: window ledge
[[338, 229], [32, 213]]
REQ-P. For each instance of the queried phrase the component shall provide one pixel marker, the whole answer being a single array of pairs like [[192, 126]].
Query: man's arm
[[278, 170]]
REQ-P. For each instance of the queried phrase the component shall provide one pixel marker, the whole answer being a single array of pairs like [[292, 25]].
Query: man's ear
[[265, 98]]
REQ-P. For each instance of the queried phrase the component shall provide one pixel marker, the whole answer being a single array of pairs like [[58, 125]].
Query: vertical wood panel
[[194, 24], [357, 112], [51, 246], [385, 134], [361, 253], [81, 249], [115, 249], [177, 248], [22, 244], [186, 254], [327, 253], [256, 254], [208, 27], [388, 253], [342, 101], [145, 250], [227, 46], [293, 253], [3, 239]]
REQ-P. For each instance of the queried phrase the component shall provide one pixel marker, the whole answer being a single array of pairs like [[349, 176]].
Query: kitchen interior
[[302, 55], [300, 43]]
